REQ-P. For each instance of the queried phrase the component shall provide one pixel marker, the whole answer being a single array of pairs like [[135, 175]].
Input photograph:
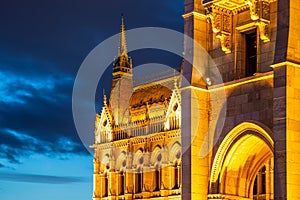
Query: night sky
[[42, 45]]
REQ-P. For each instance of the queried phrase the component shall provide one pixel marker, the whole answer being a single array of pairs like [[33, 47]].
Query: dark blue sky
[[42, 45]]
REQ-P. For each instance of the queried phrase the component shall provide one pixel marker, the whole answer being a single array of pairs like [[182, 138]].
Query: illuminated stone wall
[[140, 158], [190, 153], [225, 35], [268, 99], [286, 101]]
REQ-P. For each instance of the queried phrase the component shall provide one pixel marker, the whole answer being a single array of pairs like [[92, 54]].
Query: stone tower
[[254, 44]]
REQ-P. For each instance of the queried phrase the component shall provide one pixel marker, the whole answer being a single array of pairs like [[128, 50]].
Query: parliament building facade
[[190, 136]]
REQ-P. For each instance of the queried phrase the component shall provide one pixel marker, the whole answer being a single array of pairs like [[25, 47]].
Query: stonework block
[[279, 107], [279, 187], [279, 92]]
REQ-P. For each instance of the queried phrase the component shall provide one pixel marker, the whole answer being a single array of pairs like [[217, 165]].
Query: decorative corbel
[[264, 21], [254, 9], [221, 21], [213, 18], [264, 31], [260, 12], [225, 42]]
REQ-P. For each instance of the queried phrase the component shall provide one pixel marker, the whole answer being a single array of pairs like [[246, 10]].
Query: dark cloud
[[36, 116], [35, 102], [36, 178], [14, 145], [43, 44]]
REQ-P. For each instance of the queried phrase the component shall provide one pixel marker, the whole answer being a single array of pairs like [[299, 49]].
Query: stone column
[[272, 178], [129, 187], [279, 129], [96, 178], [165, 180], [194, 170], [195, 167], [112, 180], [286, 130], [147, 182], [103, 185], [287, 101], [120, 183], [268, 180]]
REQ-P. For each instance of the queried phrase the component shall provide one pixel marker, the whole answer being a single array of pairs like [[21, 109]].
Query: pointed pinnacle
[[104, 98], [123, 45]]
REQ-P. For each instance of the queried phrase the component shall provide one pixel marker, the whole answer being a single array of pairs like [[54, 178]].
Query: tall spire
[[123, 62], [122, 84], [123, 45]]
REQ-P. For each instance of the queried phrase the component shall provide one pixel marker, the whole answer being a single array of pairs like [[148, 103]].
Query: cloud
[[42, 47], [14, 145], [18, 88], [36, 178], [36, 115]]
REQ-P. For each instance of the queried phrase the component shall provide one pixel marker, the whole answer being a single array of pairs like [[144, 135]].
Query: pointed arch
[[138, 159], [242, 152], [120, 161], [156, 156], [175, 153]]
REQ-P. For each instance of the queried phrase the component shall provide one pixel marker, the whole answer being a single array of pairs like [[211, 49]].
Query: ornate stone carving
[[226, 42], [220, 17], [260, 12], [265, 10], [217, 22], [221, 21], [264, 21], [227, 21], [254, 9], [264, 31]]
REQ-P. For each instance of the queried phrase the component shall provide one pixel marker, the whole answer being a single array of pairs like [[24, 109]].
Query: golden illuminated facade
[[137, 137], [254, 153]]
